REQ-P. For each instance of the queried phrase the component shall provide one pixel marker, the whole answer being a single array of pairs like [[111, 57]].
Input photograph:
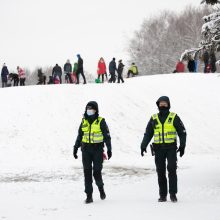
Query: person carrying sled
[[165, 126], [92, 134]]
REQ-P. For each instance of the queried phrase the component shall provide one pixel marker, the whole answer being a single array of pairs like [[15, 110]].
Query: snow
[[39, 178]]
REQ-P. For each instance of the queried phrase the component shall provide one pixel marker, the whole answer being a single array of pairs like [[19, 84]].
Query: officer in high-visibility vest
[[92, 134], [165, 126]]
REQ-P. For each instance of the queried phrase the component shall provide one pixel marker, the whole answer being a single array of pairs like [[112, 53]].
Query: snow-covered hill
[[39, 125]]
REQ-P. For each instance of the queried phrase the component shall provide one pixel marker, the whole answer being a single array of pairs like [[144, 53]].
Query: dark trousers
[[120, 78], [22, 80], [80, 71], [69, 77], [130, 73], [161, 156], [102, 77], [92, 158], [112, 78]]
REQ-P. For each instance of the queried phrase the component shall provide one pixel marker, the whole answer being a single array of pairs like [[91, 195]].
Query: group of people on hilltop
[[113, 70], [207, 57], [72, 73], [12, 78]]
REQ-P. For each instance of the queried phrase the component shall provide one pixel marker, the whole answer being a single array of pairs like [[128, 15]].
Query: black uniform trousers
[[161, 155], [92, 158]]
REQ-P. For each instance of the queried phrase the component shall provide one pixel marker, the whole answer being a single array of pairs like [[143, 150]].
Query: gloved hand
[[181, 150], [142, 151], [109, 152], [75, 149]]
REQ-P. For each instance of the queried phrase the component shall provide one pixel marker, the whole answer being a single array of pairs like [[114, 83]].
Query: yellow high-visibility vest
[[92, 133], [164, 133]]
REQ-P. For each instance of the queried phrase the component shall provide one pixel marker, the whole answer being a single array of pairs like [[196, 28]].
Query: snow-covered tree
[[156, 46]]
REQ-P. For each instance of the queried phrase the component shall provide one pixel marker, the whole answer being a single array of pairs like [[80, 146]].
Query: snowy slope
[[39, 125]]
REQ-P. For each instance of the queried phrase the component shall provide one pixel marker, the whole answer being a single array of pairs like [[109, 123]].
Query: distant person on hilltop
[[120, 71], [112, 70], [133, 70], [191, 65], [101, 69], [180, 67], [92, 134], [165, 126], [213, 62], [68, 70], [57, 73], [206, 60], [80, 70], [21, 75], [4, 75]]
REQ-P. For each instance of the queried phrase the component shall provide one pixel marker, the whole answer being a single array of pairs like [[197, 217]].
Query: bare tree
[[155, 48]]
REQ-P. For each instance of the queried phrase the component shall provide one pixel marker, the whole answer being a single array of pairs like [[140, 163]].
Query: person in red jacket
[[180, 67], [101, 69]]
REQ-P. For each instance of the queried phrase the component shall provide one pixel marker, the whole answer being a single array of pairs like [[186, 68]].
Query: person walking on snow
[[101, 69], [92, 134], [165, 126], [120, 71], [112, 69], [80, 70]]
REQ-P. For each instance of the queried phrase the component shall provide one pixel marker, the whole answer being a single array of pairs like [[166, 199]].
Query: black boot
[[102, 193], [173, 198], [162, 199], [89, 199]]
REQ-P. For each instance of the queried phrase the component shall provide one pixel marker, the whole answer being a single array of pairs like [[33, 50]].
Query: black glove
[[142, 151], [181, 150], [109, 152], [75, 149]]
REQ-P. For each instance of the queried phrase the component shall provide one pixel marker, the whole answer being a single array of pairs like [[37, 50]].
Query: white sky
[[46, 32]]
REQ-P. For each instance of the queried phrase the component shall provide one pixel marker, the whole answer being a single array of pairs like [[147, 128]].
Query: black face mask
[[163, 109]]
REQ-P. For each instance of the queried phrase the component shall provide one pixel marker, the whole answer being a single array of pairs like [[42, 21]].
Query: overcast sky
[[46, 32]]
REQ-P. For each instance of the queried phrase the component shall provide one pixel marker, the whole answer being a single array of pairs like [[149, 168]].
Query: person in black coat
[[191, 65], [165, 146], [57, 71], [80, 70], [4, 75], [206, 60], [112, 69], [120, 71], [68, 70], [213, 62], [92, 134]]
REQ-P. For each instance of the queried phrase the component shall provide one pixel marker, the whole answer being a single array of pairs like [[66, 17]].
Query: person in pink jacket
[[21, 75], [101, 69]]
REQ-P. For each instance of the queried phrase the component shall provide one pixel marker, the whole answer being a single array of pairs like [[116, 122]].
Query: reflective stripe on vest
[[92, 133], [164, 133]]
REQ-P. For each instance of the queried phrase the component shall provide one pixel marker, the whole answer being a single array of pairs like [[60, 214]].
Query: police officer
[[93, 133], [165, 126]]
